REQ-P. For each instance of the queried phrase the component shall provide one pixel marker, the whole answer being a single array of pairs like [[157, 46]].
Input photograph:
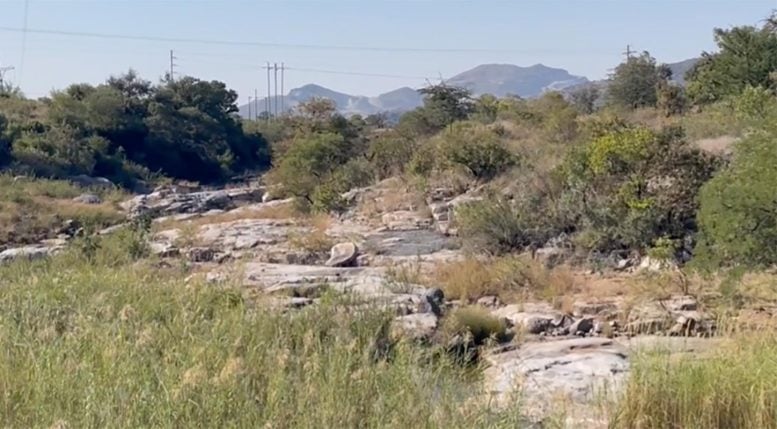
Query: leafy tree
[[747, 56], [738, 208], [194, 134], [310, 161], [443, 105], [635, 81]]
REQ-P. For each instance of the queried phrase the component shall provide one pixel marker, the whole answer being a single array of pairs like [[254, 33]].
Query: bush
[[737, 214], [475, 322], [630, 187], [390, 155], [477, 148], [491, 226]]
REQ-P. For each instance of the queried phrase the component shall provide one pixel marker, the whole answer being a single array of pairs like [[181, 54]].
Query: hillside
[[508, 79]]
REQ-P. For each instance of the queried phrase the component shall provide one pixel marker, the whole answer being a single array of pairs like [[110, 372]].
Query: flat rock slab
[[579, 370], [576, 368]]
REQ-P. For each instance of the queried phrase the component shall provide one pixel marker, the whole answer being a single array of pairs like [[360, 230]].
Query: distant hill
[[507, 79], [498, 79], [679, 69]]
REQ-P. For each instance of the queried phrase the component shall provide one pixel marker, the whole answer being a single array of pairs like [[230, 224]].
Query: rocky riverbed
[[240, 236]]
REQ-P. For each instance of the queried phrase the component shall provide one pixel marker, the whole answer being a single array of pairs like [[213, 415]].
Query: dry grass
[[511, 278], [34, 209], [284, 210], [390, 195], [735, 386], [316, 240]]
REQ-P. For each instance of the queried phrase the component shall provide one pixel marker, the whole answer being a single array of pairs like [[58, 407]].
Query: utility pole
[[628, 52], [275, 71], [172, 65], [249, 107], [256, 104], [3, 71], [267, 100], [283, 93]]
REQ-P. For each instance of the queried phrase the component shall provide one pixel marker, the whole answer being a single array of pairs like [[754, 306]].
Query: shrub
[[389, 155], [476, 148], [737, 215], [476, 322], [630, 187]]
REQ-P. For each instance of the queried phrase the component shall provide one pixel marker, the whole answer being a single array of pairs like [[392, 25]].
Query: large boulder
[[342, 255], [26, 252]]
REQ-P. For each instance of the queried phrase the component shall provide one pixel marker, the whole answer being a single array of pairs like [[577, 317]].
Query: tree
[[738, 208], [193, 132], [584, 99], [443, 105], [635, 81], [747, 56]]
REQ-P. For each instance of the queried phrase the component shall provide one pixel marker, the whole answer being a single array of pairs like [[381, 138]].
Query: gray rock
[[163, 250], [26, 252], [576, 368], [342, 255], [417, 327], [92, 182], [88, 199], [582, 326]]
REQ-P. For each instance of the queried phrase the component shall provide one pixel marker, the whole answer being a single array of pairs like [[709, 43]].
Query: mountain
[[679, 69], [496, 79], [507, 79], [397, 101]]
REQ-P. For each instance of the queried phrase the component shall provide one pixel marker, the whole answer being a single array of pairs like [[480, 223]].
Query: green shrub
[[390, 155], [476, 322], [476, 148], [737, 215], [628, 188]]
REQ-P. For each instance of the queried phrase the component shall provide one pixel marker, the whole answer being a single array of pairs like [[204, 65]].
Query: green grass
[[735, 386], [33, 209], [107, 341]]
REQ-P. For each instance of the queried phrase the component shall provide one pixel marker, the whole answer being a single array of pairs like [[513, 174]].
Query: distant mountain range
[[498, 79]]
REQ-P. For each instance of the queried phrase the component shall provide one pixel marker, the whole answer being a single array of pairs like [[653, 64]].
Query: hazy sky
[[424, 38]]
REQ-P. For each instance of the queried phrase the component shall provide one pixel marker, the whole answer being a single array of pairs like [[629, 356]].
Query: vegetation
[[153, 351], [103, 335], [127, 129], [732, 387]]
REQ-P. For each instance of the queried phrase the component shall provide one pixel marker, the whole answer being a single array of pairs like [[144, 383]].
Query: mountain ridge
[[498, 79]]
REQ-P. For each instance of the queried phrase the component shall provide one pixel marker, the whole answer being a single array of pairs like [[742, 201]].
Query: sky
[[363, 47]]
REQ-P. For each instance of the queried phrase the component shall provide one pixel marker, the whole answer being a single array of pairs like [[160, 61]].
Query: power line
[[24, 31], [350, 73], [264, 44]]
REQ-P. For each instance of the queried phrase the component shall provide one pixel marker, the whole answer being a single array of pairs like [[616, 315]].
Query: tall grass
[[734, 386], [108, 341]]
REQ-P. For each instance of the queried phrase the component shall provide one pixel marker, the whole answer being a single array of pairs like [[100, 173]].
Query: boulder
[[342, 255], [88, 199], [26, 252], [92, 182], [582, 326], [417, 327]]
